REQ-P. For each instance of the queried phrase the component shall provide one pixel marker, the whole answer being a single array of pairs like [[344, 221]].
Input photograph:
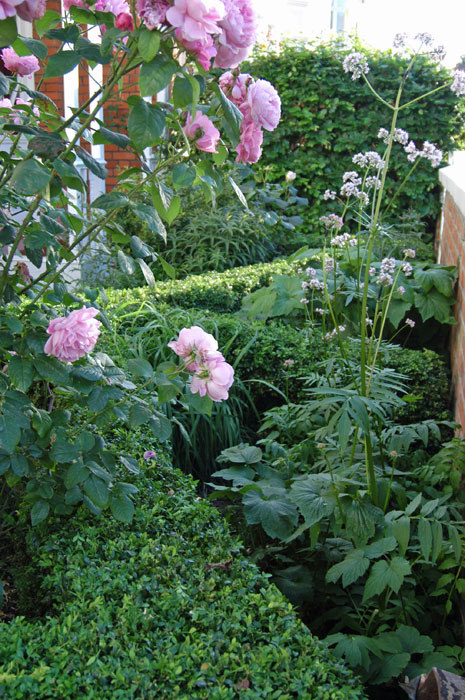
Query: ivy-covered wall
[[327, 118]]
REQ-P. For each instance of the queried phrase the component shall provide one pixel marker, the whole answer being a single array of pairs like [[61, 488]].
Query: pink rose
[[196, 19], [67, 3], [238, 33], [265, 105], [31, 9], [203, 51], [195, 346], [213, 379], [203, 132], [23, 65], [251, 138], [152, 12], [73, 336], [8, 8], [124, 22], [235, 87]]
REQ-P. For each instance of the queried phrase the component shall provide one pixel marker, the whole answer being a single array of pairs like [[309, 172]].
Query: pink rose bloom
[[249, 147], [195, 346], [31, 9], [196, 19], [73, 336], [152, 12], [265, 105], [204, 132], [23, 65], [239, 27], [203, 51], [8, 8], [235, 88], [213, 379], [124, 22]]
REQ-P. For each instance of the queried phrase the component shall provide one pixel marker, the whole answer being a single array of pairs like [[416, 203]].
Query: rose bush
[[56, 386]]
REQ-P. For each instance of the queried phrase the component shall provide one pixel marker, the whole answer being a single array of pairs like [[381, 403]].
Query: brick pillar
[[52, 87], [116, 113]]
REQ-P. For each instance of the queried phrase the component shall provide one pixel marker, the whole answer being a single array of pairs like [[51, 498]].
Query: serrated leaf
[[21, 372], [39, 512], [145, 124], [130, 463], [160, 426], [350, 568], [75, 474], [97, 490], [386, 574], [183, 175], [361, 518], [148, 44], [29, 177], [122, 508], [380, 547], [19, 464], [63, 451], [277, 516], [155, 75], [60, 63], [437, 277], [434, 305]]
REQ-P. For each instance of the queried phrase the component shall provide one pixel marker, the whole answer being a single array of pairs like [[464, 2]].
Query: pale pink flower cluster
[[26, 9], [406, 269], [290, 176], [399, 136], [334, 332], [22, 65], [203, 132], [373, 181], [342, 240], [288, 363], [17, 114], [401, 290], [316, 284], [409, 322], [458, 84], [355, 63], [329, 194], [429, 151], [212, 375], [332, 221], [409, 253], [73, 336], [330, 264], [370, 159], [260, 106]]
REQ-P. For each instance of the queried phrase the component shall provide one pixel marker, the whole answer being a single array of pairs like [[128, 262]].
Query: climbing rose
[[8, 8], [153, 12], [238, 33], [195, 346], [23, 65], [203, 51], [209, 134], [213, 379], [249, 147], [73, 336], [31, 9], [196, 18], [264, 104], [235, 87]]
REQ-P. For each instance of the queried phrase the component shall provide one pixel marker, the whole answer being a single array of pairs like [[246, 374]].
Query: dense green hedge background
[[327, 118], [147, 611]]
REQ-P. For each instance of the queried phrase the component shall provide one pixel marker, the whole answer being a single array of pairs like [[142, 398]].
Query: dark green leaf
[[60, 63], [140, 368], [130, 463], [21, 372], [350, 568], [148, 44], [8, 31], [29, 177], [75, 474], [155, 75], [183, 175], [150, 216], [138, 415], [47, 145], [106, 136], [277, 516], [160, 426], [122, 508], [145, 124], [50, 19], [147, 272], [97, 491], [39, 512], [94, 165], [52, 370]]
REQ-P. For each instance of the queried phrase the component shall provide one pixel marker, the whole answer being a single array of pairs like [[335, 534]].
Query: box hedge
[[164, 608]]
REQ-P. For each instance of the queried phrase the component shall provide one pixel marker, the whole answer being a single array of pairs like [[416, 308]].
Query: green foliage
[[327, 115], [363, 574], [165, 607]]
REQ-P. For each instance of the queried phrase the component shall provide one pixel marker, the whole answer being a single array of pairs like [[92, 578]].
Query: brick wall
[[450, 243]]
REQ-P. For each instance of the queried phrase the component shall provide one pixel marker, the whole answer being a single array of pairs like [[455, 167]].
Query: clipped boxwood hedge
[[164, 608], [217, 291]]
